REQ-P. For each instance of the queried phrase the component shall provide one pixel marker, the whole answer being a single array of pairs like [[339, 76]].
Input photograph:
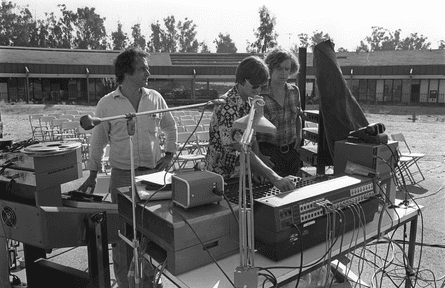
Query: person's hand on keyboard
[[284, 183]]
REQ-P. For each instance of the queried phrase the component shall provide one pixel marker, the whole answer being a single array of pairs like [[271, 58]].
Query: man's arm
[[258, 166], [98, 141]]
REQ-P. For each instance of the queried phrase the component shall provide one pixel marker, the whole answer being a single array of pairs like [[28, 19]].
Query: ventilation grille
[[8, 216]]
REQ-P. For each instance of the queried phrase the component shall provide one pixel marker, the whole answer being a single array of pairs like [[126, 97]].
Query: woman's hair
[[252, 68], [275, 57], [125, 62]]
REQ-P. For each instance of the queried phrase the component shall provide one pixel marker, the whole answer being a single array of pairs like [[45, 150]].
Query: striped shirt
[[287, 119]]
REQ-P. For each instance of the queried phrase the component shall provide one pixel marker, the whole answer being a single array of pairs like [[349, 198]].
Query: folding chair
[[188, 122], [202, 140], [198, 117], [178, 113], [415, 157], [46, 127], [404, 173], [84, 137], [194, 113], [186, 142], [204, 121], [57, 115], [56, 128], [209, 114], [70, 131], [104, 161], [205, 127], [193, 127], [34, 121], [67, 116], [72, 112], [180, 128]]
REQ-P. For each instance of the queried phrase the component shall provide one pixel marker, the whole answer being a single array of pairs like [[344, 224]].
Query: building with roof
[[410, 77]]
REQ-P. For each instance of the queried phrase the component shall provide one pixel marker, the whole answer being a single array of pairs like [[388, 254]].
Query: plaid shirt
[[222, 157], [287, 119]]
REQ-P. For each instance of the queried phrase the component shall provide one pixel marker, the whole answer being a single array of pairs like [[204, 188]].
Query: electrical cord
[[220, 192]]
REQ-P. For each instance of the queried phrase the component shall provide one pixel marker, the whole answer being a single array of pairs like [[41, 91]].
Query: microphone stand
[[246, 275], [87, 122]]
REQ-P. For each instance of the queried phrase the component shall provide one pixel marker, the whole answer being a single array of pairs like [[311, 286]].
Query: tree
[[138, 39], [204, 48], [225, 44], [414, 42], [170, 36], [90, 29], [16, 25], [382, 39], [186, 36], [341, 49], [318, 37], [442, 44], [67, 24], [362, 48], [304, 40], [157, 34], [265, 34], [119, 38]]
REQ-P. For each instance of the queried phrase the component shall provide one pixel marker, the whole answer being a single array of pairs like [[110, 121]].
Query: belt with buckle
[[285, 148], [144, 169]]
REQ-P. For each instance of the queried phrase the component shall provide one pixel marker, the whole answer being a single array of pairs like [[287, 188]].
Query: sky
[[347, 22]]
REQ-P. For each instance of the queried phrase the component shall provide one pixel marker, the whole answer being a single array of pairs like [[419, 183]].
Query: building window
[[363, 89], [370, 92], [387, 91], [397, 91]]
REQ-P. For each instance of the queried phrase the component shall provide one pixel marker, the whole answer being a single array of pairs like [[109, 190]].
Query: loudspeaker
[[195, 188]]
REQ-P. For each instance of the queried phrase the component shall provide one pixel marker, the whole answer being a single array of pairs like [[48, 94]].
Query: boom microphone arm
[[87, 122]]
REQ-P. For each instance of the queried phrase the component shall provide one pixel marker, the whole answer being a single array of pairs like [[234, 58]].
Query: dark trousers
[[286, 159]]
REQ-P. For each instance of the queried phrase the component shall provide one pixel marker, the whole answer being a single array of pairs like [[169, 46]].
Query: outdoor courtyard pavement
[[431, 231]]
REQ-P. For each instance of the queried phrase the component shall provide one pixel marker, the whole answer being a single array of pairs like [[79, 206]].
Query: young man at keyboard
[[223, 155]]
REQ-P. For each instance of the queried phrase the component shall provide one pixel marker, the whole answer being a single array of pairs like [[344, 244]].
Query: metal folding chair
[[36, 131], [186, 143], [411, 158]]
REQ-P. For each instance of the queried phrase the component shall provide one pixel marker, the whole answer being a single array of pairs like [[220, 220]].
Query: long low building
[[83, 76]]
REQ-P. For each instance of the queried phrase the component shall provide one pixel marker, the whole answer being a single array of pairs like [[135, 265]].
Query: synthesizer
[[280, 212], [289, 222]]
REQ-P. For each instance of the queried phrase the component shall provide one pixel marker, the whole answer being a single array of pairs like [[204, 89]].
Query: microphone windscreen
[[219, 101], [87, 122]]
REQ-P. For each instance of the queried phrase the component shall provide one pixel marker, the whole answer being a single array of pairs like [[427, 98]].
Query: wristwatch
[[168, 154]]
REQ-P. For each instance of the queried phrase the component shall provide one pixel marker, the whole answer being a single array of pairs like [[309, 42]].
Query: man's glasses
[[255, 86]]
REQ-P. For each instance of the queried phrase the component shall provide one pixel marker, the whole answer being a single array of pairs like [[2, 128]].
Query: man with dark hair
[[132, 96], [223, 156]]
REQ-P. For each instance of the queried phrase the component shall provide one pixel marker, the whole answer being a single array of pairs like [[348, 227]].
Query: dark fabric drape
[[340, 110]]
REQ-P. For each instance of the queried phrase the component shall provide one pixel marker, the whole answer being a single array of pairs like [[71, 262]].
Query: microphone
[[87, 122], [219, 101]]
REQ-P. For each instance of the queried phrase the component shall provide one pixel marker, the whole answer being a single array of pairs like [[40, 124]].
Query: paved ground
[[429, 193]]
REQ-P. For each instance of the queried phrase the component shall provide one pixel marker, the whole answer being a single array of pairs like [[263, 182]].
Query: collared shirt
[[286, 118], [222, 156], [146, 148]]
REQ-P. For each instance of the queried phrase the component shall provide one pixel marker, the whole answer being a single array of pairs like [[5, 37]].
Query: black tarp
[[340, 110]]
